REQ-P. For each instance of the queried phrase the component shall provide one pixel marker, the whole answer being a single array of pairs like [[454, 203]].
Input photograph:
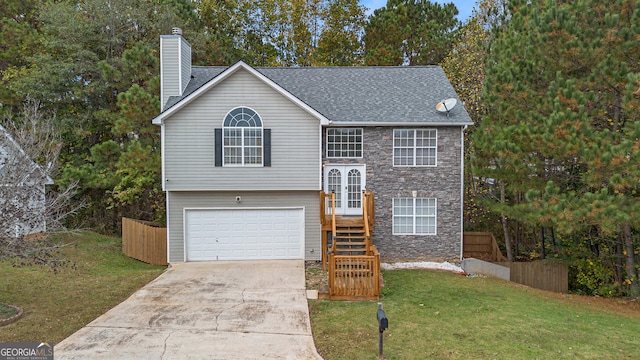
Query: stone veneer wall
[[387, 182]]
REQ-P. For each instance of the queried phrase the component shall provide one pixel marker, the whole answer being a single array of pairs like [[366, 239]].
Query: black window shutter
[[218, 147], [267, 147]]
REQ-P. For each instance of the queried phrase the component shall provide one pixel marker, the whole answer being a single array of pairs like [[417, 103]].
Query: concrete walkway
[[218, 310]]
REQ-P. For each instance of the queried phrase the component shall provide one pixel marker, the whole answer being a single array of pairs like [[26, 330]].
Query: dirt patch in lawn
[[316, 278]]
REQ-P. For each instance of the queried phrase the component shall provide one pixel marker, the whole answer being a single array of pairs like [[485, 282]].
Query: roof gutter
[[388, 123]]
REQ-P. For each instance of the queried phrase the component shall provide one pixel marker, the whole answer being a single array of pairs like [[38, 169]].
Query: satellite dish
[[446, 105]]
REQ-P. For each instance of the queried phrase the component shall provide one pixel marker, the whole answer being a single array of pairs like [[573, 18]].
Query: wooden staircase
[[350, 237], [348, 252]]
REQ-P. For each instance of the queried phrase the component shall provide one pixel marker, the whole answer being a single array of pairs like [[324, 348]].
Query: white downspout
[[462, 192]]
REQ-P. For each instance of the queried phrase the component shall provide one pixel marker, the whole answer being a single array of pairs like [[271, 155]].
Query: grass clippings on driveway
[[440, 315], [57, 304]]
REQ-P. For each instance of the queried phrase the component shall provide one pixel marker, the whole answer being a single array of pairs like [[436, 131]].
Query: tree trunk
[[632, 274], [505, 227], [619, 273]]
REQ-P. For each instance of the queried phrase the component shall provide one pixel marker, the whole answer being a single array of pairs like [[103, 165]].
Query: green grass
[[440, 315], [56, 304], [6, 312]]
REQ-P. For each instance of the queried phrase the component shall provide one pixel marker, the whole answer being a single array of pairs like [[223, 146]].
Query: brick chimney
[[175, 65]]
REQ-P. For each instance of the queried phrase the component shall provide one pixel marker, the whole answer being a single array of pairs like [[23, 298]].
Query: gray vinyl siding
[[170, 52], [178, 201], [189, 141], [185, 64]]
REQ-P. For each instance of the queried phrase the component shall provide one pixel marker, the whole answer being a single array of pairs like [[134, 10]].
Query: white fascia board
[[320, 158], [158, 120], [226, 190], [391, 123]]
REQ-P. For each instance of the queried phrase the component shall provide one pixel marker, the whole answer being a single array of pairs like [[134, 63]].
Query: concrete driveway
[[215, 310]]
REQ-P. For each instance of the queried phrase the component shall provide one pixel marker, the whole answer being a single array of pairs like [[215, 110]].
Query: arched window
[[242, 138]]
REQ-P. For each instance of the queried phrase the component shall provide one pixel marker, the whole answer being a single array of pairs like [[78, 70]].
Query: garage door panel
[[252, 234]]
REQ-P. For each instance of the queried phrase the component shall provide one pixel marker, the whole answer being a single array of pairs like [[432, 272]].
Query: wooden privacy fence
[[144, 241], [537, 274], [540, 275], [482, 246], [354, 277]]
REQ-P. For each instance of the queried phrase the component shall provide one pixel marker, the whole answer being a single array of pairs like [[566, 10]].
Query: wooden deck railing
[[327, 221], [368, 208], [351, 277], [367, 214], [333, 222], [143, 241], [354, 277]]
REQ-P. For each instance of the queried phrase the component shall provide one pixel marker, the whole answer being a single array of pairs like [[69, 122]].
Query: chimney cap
[[176, 31]]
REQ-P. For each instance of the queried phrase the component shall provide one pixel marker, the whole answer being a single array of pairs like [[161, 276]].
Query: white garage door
[[244, 234]]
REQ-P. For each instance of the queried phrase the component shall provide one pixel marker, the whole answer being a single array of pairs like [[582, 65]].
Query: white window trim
[[344, 157], [393, 217], [393, 156], [242, 146]]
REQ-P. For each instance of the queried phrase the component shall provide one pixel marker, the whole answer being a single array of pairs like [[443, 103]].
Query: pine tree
[[412, 32], [563, 126]]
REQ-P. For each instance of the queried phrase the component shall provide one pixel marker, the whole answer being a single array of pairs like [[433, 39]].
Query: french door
[[347, 182]]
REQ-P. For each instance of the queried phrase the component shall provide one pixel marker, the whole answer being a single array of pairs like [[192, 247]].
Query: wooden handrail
[[322, 206], [333, 222], [365, 220], [371, 210]]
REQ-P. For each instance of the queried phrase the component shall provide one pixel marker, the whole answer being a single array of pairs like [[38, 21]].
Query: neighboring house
[[22, 191], [246, 152]]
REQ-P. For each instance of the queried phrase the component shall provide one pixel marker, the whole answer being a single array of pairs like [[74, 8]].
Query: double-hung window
[[415, 147], [414, 216], [242, 138], [344, 143]]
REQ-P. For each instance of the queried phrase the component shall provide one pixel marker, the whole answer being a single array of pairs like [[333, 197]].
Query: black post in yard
[[380, 339], [383, 324]]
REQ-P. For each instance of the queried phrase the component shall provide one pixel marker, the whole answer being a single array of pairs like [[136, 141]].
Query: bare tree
[[31, 207]]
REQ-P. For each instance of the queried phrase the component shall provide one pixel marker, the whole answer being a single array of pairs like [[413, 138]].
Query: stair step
[[349, 237], [361, 243]]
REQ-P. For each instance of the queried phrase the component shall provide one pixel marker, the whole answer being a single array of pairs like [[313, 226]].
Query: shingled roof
[[358, 95]]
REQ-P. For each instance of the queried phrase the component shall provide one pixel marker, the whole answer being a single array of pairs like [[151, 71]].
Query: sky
[[464, 6]]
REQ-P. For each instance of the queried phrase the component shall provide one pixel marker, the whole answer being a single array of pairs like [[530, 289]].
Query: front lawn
[[56, 304], [441, 315]]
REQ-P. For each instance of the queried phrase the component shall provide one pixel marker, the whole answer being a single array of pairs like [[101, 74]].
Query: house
[[247, 153], [22, 191]]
